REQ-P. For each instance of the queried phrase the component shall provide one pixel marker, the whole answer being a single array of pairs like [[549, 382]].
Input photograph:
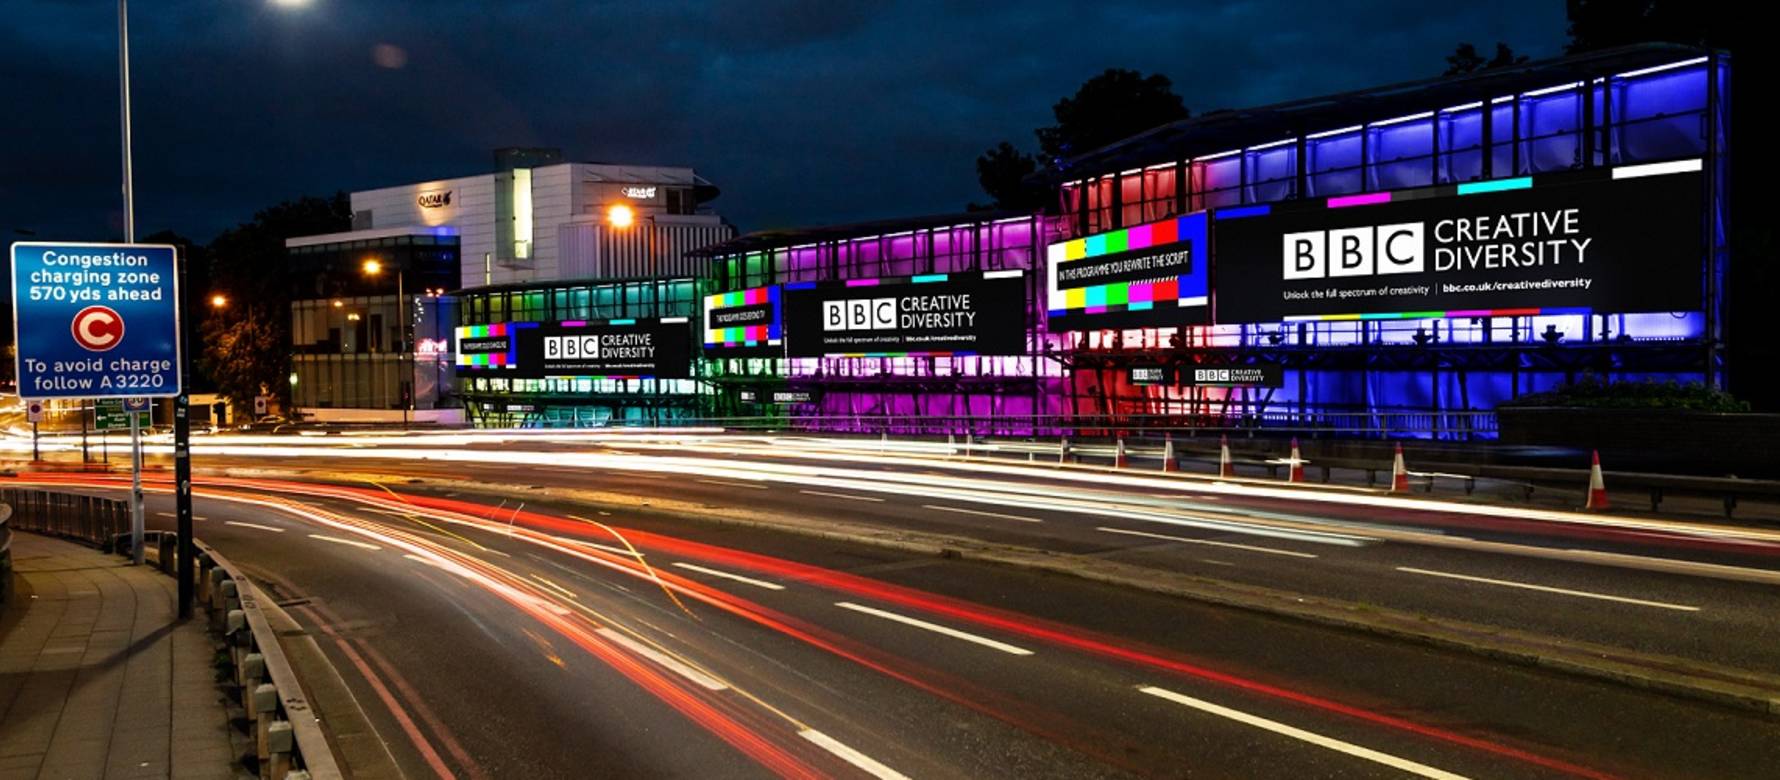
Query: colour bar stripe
[[1657, 169], [1242, 211], [1499, 185], [1365, 199], [1435, 315], [862, 282], [925, 278]]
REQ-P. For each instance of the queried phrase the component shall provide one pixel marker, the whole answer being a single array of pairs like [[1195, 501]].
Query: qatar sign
[[96, 320], [1626, 239]]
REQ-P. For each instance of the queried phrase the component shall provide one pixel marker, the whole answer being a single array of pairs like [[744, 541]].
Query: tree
[[1110, 107], [193, 287], [246, 347], [1003, 172], [250, 343], [1465, 59]]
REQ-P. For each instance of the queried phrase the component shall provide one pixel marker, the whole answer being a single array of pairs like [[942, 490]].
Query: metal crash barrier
[[90, 519]]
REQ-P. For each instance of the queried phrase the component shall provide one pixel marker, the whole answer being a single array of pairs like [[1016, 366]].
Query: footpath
[[98, 676]]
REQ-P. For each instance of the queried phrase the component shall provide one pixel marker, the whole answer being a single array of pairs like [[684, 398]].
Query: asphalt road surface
[[631, 636]]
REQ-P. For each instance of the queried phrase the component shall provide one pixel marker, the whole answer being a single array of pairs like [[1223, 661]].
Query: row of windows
[[1656, 114], [665, 298], [976, 246]]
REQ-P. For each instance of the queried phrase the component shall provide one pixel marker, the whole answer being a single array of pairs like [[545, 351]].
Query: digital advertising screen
[[744, 324], [613, 349], [932, 315], [489, 346], [1152, 275], [1625, 239]]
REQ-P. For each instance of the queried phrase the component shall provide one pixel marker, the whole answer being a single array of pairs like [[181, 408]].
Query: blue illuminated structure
[[1486, 132]]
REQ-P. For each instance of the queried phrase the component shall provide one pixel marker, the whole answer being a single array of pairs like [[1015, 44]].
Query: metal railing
[[1450, 425], [90, 519]]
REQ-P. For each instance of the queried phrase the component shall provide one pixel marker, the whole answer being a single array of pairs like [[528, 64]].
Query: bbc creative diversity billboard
[[1626, 239], [609, 349], [743, 324], [1150, 275], [981, 313]]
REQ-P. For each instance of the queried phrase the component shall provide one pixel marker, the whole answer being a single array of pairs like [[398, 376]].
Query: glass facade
[[500, 401], [1447, 373]]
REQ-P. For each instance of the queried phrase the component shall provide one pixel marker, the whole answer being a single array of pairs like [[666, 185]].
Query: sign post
[[99, 321], [34, 411]]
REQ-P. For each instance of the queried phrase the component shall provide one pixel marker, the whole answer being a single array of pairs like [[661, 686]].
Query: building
[[983, 353], [1391, 261], [531, 223], [1626, 147]]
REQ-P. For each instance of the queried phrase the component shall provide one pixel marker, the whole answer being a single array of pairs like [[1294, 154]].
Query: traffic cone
[[1168, 463], [1296, 472], [1399, 474], [1597, 487], [1226, 467], [1119, 454]]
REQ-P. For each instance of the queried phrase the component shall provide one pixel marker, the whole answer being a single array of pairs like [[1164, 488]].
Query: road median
[[1701, 681]]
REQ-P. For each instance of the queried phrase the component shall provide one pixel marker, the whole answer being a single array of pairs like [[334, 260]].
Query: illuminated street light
[[219, 301], [620, 216], [373, 267], [338, 304]]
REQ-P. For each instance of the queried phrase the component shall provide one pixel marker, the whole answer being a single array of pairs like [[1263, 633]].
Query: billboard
[[1150, 275], [744, 324], [612, 349], [921, 316], [1257, 375], [1626, 239]]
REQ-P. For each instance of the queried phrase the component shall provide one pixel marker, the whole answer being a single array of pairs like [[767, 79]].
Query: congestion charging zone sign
[[96, 320]]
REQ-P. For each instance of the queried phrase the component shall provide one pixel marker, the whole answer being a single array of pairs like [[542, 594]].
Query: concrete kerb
[[282, 700], [1725, 686]]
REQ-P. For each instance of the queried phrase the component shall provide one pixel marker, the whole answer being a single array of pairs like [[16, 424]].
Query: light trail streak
[[1069, 637]]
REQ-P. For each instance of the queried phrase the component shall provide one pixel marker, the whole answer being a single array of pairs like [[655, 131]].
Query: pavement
[[98, 677]]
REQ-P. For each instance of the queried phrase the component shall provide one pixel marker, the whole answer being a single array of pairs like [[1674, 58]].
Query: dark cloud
[[804, 111]]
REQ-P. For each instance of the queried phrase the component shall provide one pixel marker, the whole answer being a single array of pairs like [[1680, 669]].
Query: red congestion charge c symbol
[[98, 328]]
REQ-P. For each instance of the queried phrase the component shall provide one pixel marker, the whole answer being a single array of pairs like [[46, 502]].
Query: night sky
[[804, 112]]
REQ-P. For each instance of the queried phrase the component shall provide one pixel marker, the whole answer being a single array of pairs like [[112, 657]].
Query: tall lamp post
[[373, 268]]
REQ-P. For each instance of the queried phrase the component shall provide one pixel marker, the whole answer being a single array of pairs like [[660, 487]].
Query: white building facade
[[551, 222]]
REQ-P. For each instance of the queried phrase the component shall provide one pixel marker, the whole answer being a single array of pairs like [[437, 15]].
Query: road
[[483, 639]]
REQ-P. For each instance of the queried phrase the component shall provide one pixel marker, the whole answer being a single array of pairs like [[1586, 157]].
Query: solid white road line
[[851, 756], [726, 483], [726, 575], [165, 514], [1319, 740], [1548, 589], [962, 510], [349, 542], [697, 677], [1231, 545], [254, 525], [840, 495], [935, 628]]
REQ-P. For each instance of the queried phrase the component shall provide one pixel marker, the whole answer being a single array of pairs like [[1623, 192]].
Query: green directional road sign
[[109, 415]]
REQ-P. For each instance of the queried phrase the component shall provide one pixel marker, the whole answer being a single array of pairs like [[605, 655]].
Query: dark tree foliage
[[1002, 171], [248, 343], [194, 289], [1465, 59], [1110, 107]]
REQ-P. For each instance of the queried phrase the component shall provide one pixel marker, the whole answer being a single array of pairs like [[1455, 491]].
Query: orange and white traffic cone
[[1226, 466], [1399, 473], [1296, 472], [1168, 462], [1119, 455], [1597, 487]]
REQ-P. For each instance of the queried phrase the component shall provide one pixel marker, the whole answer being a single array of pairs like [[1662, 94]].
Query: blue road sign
[[96, 320]]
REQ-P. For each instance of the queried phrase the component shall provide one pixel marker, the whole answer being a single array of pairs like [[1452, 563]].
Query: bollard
[[280, 742], [264, 709], [1063, 451], [249, 674]]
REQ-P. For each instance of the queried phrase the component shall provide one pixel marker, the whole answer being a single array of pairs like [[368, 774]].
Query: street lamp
[[620, 216], [374, 267], [219, 301]]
